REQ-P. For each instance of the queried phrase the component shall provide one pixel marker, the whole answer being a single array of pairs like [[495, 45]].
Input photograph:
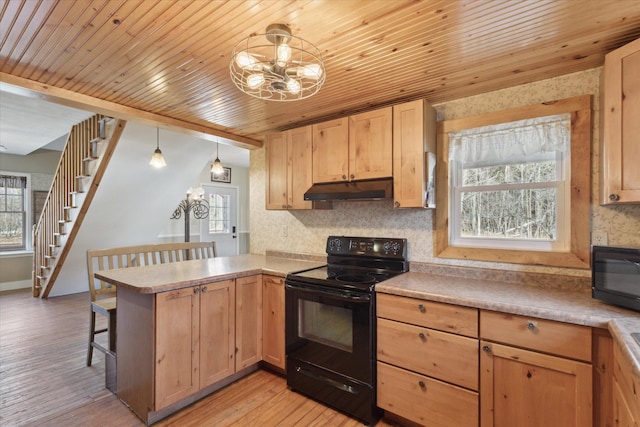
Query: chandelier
[[277, 66]]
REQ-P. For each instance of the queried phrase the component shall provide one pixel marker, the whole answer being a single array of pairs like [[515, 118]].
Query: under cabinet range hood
[[374, 189]]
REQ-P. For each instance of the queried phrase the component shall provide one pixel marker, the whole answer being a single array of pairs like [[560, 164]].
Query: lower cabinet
[[273, 346], [445, 365], [626, 392], [180, 344], [545, 381], [427, 370]]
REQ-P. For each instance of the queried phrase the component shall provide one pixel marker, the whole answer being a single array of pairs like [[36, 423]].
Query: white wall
[[134, 200]]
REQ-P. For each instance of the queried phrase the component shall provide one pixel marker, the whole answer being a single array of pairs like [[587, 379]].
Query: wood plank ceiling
[[170, 58]]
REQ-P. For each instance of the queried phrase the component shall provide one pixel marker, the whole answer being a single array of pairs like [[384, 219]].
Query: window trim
[[27, 229], [578, 255]]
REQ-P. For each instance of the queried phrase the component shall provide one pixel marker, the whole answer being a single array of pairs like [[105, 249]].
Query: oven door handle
[[342, 295]]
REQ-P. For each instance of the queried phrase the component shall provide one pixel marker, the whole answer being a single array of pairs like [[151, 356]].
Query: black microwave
[[615, 276]]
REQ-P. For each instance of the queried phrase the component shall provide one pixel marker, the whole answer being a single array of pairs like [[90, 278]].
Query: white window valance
[[513, 142]]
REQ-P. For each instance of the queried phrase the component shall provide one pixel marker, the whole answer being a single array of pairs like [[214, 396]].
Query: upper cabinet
[[620, 175], [355, 148], [288, 169], [414, 148], [330, 154]]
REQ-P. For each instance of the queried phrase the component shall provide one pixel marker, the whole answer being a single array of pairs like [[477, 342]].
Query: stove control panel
[[366, 246]]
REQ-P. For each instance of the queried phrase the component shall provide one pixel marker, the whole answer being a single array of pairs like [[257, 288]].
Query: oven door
[[331, 329]]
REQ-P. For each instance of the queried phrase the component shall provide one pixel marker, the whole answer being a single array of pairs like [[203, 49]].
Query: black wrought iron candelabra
[[196, 205]]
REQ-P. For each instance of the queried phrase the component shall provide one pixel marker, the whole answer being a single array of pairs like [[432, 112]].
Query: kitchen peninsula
[[185, 330]]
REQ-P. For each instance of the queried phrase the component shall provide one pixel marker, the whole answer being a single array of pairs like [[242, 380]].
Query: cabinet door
[[371, 145], [217, 331], [622, 414], [620, 124], [330, 155], [413, 135], [273, 351], [276, 171], [248, 321], [521, 388], [299, 174], [177, 339]]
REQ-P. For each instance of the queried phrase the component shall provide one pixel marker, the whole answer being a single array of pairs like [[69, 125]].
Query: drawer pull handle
[[204, 289], [486, 349], [422, 385], [422, 336], [196, 290], [531, 326], [422, 308]]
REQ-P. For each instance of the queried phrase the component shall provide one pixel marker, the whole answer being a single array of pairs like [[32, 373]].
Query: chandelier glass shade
[[277, 66], [157, 159], [216, 166]]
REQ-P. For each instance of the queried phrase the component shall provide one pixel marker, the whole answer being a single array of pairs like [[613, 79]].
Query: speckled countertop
[[166, 277], [565, 305]]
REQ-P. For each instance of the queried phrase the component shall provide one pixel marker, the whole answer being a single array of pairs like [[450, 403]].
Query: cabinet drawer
[[448, 357], [548, 336], [424, 400], [434, 315], [627, 383]]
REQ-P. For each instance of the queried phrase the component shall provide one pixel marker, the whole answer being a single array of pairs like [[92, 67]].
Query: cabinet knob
[[196, 290], [422, 336], [204, 289], [396, 204], [614, 197], [352, 176], [344, 176], [531, 326], [486, 349], [284, 206], [422, 308], [422, 385]]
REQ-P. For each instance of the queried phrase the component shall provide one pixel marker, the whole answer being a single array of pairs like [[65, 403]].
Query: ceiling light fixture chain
[[287, 68]]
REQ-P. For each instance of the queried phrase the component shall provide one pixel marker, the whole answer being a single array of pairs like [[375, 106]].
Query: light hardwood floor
[[44, 380]]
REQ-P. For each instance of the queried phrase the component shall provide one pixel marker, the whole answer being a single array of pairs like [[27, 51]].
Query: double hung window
[[509, 184], [514, 185], [13, 212]]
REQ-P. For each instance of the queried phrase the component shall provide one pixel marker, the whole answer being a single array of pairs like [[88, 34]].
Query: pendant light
[[216, 167], [157, 160]]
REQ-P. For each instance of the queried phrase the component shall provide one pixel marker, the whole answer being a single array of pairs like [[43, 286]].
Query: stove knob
[[396, 247], [386, 246]]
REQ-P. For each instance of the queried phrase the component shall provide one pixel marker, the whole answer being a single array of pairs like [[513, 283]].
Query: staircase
[[89, 148]]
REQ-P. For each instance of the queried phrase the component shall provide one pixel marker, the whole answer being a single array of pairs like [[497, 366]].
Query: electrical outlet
[[599, 238]]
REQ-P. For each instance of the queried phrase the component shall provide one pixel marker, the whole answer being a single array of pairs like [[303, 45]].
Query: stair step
[[63, 221], [90, 159], [97, 140]]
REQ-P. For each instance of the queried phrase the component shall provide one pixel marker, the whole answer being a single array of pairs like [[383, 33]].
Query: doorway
[[222, 224]]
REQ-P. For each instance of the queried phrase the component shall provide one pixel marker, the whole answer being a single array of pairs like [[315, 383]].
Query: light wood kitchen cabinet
[[217, 326], [330, 153], [414, 148], [620, 87], [427, 361], [359, 147], [288, 169], [626, 392], [177, 356], [273, 326], [248, 327], [183, 344], [529, 375]]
